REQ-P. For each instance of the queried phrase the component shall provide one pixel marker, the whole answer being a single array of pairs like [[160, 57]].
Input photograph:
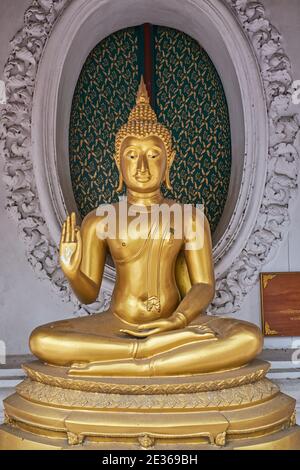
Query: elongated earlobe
[[120, 185], [167, 174], [167, 179]]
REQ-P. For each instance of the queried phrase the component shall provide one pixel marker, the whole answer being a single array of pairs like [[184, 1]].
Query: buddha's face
[[143, 163]]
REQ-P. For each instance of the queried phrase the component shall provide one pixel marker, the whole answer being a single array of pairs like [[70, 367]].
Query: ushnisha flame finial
[[142, 114], [142, 94]]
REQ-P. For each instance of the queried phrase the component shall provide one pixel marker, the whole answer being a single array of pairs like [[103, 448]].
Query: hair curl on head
[[143, 122]]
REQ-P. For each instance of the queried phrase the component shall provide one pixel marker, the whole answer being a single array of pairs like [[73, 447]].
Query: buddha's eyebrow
[[131, 147]]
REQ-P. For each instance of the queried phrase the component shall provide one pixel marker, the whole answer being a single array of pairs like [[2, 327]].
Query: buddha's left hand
[[174, 322]]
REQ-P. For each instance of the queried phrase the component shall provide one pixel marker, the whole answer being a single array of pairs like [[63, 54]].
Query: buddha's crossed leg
[[189, 351]]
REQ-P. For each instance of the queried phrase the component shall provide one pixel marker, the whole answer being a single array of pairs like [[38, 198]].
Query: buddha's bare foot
[[112, 369]]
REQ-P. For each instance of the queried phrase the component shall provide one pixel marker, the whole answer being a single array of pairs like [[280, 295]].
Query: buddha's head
[[143, 151]]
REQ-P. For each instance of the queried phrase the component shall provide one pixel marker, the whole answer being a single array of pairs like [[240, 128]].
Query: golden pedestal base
[[238, 409]]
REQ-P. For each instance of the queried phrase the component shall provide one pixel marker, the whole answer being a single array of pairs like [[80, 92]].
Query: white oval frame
[[240, 239]]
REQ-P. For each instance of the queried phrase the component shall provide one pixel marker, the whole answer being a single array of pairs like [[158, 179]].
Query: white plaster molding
[[15, 132], [256, 77]]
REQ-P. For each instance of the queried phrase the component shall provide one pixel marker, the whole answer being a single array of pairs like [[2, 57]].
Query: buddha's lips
[[142, 178]]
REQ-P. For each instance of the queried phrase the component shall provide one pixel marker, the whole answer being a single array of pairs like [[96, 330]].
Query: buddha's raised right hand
[[70, 248]]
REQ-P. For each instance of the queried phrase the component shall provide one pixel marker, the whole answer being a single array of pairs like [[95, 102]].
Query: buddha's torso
[[145, 288]]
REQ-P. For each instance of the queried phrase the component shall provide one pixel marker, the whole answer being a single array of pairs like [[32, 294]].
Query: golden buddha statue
[[155, 325], [153, 370]]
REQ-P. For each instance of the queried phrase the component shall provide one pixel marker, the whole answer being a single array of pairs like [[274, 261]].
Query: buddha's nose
[[142, 166]]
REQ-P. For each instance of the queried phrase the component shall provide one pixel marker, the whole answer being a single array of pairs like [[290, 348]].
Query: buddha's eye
[[132, 155]]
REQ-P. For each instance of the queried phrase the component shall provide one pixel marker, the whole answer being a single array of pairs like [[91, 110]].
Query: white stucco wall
[[26, 302]]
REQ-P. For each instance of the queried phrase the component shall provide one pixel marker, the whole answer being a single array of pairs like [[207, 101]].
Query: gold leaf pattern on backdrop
[[189, 100]]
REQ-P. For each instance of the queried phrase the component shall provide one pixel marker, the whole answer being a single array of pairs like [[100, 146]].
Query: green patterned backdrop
[[189, 100]]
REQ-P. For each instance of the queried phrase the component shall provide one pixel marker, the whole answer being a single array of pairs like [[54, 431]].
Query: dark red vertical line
[[148, 62]]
